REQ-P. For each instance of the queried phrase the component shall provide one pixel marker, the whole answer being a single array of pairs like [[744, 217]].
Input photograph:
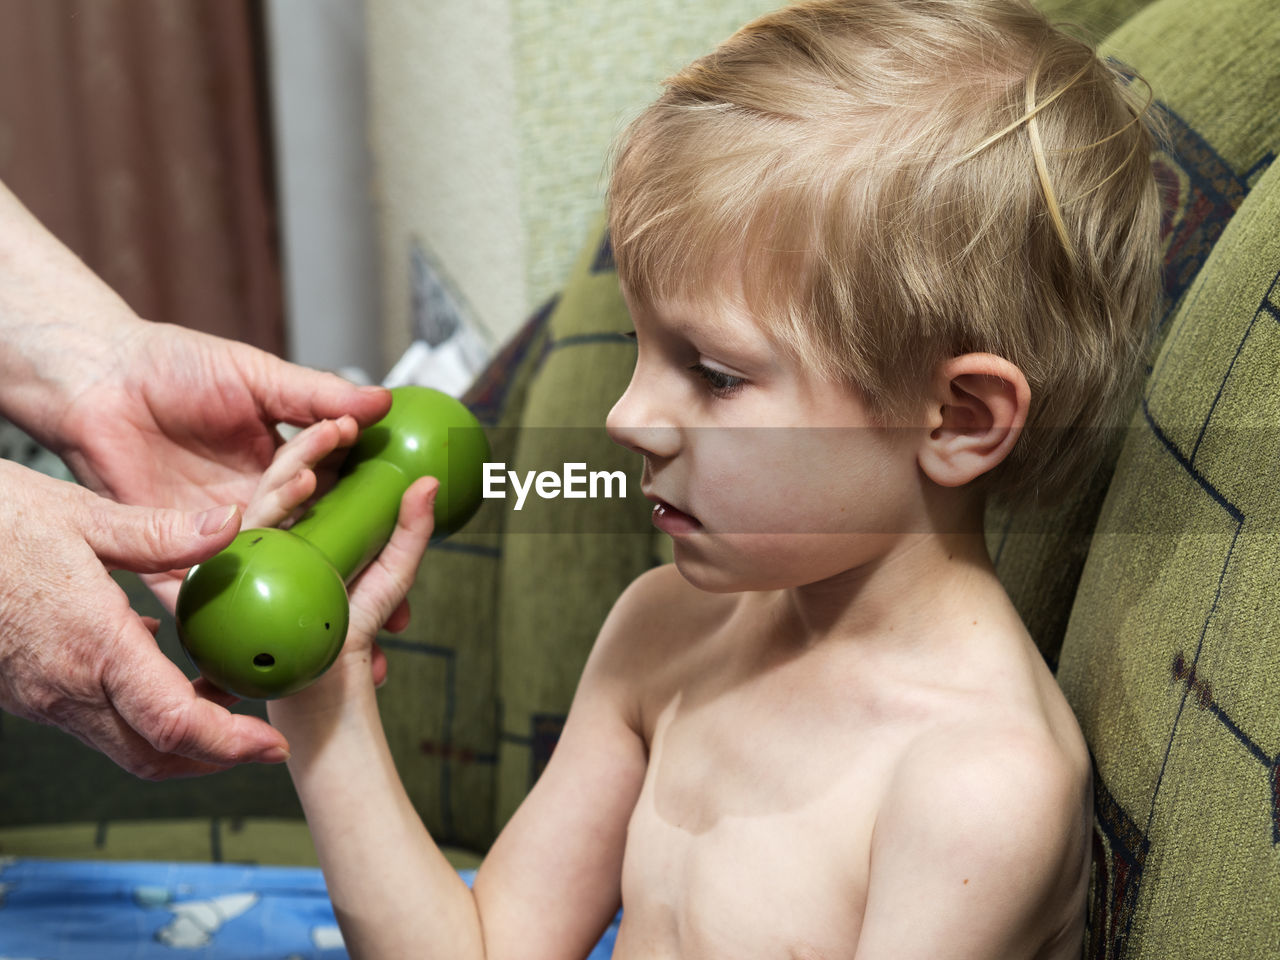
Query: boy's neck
[[920, 581]]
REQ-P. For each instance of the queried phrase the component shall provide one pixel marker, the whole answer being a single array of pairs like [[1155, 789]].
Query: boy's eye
[[720, 383]]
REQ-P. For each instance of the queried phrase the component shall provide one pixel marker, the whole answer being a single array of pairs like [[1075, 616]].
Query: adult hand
[[184, 420], [144, 413], [72, 652]]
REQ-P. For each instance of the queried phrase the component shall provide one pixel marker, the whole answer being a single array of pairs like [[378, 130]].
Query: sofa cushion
[[1171, 659]]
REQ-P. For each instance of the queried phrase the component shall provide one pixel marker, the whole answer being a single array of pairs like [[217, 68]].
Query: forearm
[[60, 325], [394, 893]]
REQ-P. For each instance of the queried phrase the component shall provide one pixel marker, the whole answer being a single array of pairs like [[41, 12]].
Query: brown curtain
[[136, 131]]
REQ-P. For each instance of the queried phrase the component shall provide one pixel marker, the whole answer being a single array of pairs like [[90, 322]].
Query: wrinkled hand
[[72, 652], [180, 419]]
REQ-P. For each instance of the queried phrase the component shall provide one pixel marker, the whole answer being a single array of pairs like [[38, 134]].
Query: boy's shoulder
[[661, 596], [660, 632], [974, 780], [664, 610], [1003, 743], [994, 812]]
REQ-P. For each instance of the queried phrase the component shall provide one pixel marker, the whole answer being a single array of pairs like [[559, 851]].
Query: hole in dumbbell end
[[264, 660]]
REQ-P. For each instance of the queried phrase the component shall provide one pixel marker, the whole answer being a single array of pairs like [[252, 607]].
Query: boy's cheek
[[808, 497]]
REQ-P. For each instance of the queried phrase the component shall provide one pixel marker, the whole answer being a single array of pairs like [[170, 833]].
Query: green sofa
[[1154, 593]]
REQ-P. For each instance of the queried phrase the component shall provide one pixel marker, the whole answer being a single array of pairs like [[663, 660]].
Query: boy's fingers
[[383, 586], [399, 618], [311, 446], [291, 478], [271, 507]]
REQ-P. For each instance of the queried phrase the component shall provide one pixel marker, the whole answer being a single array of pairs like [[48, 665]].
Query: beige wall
[[491, 122], [318, 76]]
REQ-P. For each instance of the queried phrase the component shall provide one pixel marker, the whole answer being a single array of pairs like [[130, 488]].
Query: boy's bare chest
[[751, 836]]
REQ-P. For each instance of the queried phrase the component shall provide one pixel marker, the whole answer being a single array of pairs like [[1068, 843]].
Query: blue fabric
[[95, 910]]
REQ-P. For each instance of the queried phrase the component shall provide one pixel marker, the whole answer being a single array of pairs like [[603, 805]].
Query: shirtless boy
[[904, 253]]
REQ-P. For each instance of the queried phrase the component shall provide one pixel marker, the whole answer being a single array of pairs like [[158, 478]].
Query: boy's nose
[[639, 424]]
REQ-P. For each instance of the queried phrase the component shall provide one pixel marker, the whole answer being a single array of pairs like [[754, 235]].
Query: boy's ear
[[978, 406]]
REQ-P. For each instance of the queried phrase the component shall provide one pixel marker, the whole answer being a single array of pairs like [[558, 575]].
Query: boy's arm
[[551, 884], [393, 892], [556, 869], [976, 854]]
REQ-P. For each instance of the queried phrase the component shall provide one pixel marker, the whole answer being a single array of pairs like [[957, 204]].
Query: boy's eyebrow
[[699, 322]]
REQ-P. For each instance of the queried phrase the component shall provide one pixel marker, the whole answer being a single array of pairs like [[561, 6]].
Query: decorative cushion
[[1171, 659]]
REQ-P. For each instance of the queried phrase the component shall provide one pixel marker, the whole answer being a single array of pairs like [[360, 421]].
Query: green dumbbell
[[268, 615]]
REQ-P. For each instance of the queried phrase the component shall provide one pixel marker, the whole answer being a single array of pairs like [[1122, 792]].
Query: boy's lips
[[671, 519]]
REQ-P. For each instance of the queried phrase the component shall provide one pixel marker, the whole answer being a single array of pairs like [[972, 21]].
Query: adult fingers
[[203, 688], [161, 706], [300, 396], [71, 650], [148, 540], [106, 731]]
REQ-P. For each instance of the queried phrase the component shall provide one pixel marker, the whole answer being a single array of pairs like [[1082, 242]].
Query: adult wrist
[[61, 327]]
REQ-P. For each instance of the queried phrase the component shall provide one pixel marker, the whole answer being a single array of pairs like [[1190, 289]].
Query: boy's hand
[[309, 462], [306, 463]]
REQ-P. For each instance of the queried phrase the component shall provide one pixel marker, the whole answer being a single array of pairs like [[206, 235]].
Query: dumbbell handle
[[351, 522]]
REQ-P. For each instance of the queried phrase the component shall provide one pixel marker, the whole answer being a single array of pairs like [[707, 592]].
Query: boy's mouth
[[670, 519]]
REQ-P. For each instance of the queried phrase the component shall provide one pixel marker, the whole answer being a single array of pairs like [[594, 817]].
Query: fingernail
[[273, 755], [215, 520]]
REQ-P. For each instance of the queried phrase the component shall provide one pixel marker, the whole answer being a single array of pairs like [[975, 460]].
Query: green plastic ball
[[265, 617]]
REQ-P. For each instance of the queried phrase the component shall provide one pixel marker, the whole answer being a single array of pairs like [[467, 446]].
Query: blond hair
[[896, 182]]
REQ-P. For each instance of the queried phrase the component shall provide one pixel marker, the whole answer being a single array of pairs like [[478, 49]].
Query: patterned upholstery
[[1170, 654], [1194, 73], [1170, 659], [1167, 653]]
